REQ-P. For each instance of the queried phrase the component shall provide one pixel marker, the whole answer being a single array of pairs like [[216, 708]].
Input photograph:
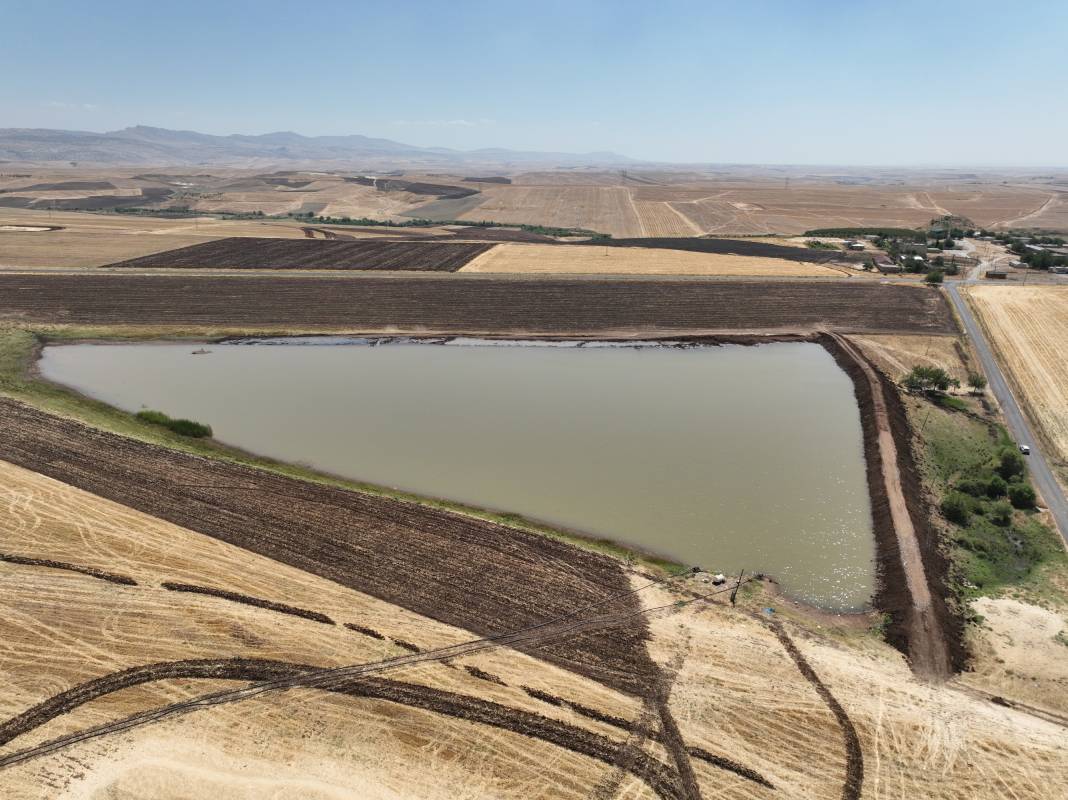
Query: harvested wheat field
[[818, 720], [1029, 328], [91, 240], [593, 260], [69, 628]]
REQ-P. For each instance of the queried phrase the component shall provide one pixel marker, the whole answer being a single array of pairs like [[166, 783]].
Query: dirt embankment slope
[[469, 573], [912, 570], [473, 305]]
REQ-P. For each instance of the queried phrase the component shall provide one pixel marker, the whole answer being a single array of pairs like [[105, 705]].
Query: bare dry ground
[[737, 693], [650, 202], [687, 204], [897, 355], [1028, 326], [592, 260]]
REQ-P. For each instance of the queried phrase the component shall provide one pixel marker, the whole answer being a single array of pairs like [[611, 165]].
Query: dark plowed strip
[[92, 572], [472, 304], [854, 780], [411, 648], [658, 775], [740, 770], [281, 608], [470, 573], [352, 626], [545, 697], [333, 252], [738, 247], [481, 674]]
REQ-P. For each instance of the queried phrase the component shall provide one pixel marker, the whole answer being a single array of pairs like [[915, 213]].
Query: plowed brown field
[[473, 304], [329, 253]]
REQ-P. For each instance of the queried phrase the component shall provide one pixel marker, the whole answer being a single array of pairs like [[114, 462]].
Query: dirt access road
[[928, 652]]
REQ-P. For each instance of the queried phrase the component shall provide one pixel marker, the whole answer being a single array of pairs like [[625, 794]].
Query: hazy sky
[[769, 81]]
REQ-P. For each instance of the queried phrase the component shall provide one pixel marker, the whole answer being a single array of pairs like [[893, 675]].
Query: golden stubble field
[[592, 260], [93, 240], [736, 692], [1028, 326]]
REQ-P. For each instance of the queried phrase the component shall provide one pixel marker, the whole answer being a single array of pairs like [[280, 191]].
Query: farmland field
[[1029, 328], [460, 571], [366, 254], [472, 304], [591, 259], [771, 721]]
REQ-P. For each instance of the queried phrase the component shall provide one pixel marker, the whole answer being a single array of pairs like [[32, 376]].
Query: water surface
[[727, 457]]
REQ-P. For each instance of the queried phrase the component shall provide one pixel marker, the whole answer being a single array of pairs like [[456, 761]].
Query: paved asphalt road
[[1017, 423]]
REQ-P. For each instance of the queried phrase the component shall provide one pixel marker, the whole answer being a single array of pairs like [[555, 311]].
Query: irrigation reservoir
[[728, 457]]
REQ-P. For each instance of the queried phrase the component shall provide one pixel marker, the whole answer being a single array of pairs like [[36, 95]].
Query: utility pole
[[734, 593]]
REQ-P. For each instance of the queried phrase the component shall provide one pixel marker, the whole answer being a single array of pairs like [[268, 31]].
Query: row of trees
[[935, 380]]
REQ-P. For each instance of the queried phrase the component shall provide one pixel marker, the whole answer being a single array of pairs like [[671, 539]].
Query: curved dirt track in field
[[659, 776], [854, 780]]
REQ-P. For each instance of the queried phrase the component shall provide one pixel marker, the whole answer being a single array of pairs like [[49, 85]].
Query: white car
[[1025, 449]]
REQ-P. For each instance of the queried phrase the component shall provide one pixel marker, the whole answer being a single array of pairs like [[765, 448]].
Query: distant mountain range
[[142, 145]]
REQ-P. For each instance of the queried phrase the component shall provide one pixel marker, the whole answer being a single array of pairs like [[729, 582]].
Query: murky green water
[[726, 457]]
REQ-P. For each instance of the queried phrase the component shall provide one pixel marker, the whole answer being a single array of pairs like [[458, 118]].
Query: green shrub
[[934, 277], [976, 487], [956, 507], [997, 487], [1021, 495], [183, 427], [1000, 513], [1010, 463], [154, 417], [187, 427]]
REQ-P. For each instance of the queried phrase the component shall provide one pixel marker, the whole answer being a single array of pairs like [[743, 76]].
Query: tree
[[1010, 464], [997, 487], [977, 382], [934, 277], [929, 379], [1021, 495]]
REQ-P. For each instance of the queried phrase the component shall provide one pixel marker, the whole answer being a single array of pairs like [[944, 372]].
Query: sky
[[850, 82]]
